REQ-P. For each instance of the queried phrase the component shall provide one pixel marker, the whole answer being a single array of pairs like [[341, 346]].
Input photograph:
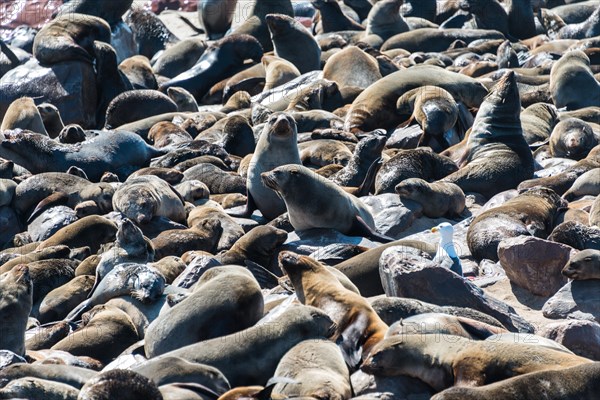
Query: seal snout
[[288, 258], [21, 273], [282, 125]]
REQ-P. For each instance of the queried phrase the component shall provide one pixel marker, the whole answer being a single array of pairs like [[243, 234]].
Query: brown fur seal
[[595, 213], [144, 197], [185, 100], [119, 383], [436, 40], [35, 388], [57, 304], [375, 107], [276, 146], [70, 37], [359, 328], [438, 198], [139, 73], [577, 235], [572, 83], [331, 18], [227, 303], [134, 105], [23, 114], [583, 265], [489, 14], [587, 184], [179, 57], [91, 231], [581, 382], [352, 66], [202, 236], [530, 213], [294, 43], [442, 361], [166, 133], [71, 375], [258, 349], [258, 245], [385, 20], [216, 17], [16, 298], [329, 206], [278, 71], [572, 138], [496, 135], [317, 369], [366, 153], [446, 324]]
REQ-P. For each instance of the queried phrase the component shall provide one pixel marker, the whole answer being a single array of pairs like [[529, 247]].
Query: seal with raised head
[[496, 135], [216, 17], [16, 298], [385, 20], [438, 198], [358, 327], [70, 37], [442, 361], [329, 205], [227, 303], [276, 146]]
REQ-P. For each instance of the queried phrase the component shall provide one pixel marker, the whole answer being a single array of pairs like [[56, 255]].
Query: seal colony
[[317, 199]]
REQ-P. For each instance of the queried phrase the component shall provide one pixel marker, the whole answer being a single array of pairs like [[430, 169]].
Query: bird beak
[[435, 229]]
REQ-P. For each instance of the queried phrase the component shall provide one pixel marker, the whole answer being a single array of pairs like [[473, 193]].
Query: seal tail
[[77, 311]]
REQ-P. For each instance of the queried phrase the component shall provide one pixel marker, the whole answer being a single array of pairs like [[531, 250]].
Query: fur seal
[[23, 114], [317, 369], [438, 198], [530, 213], [276, 146], [446, 324], [294, 43], [352, 66], [60, 301], [358, 327], [587, 184], [140, 281], [185, 100], [16, 298], [496, 134], [220, 60], [70, 37], [91, 231], [35, 388], [576, 235], [278, 71], [227, 303], [572, 138], [329, 206], [68, 374], [366, 153], [258, 349], [436, 40], [331, 18], [134, 105], [572, 84], [143, 197], [179, 57], [385, 20], [204, 236], [216, 17], [578, 382], [442, 361], [595, 213], [115, 151], [375, 107], [121, 383]]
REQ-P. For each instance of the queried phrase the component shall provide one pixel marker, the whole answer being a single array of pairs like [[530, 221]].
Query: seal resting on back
[[497, 156]]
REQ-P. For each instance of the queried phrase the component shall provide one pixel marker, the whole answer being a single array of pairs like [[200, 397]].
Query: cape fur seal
[[16, 298]]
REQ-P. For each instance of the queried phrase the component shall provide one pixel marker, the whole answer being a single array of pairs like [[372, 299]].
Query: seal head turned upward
[[446, 252]]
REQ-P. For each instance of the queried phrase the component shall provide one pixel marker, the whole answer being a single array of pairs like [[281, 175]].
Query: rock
[[194, 271], [7, 358], [390, 388], [581, 337], [391, 215], [65, 85], [575, 300], [534, 264], [416, 277]]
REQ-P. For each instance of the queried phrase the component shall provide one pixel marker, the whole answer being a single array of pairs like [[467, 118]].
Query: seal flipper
[[349, 341], [55, 199], [360, 227], [14, 60], [368, 182], [478, 329], [77, 311], [247, 212]]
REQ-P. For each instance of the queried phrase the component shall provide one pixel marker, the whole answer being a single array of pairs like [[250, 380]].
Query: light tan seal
[[358, 327], [16, 298], [438, 198], [23, 114], [278, 71], [329, 206], [583, 265], [442, 361], [581, 382]]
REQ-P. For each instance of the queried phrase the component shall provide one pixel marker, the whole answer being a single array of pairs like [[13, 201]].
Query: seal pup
[[580, 382], [496, 135], [583, 265], [316, 369], [16, 299], [277, 145], [442, 361], [572, 84], [358, 327], [329, 205], [119, 383], [23, 114], [438, 199], [140, 281], [141, 198], [70, 37]]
